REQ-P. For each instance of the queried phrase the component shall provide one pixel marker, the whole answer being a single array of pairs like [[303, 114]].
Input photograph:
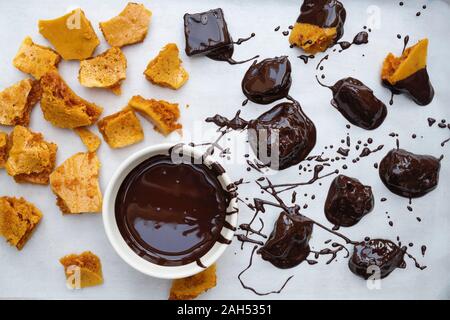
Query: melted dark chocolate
[[288, 244], [324, 14], [296, 135], [417, 85], [268, 80], [357, 103], [348, 201], [409, 175], [207, 33], [171, 214], [368, 255]]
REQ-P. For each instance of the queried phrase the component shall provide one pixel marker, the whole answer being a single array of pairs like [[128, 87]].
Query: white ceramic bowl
[[119, 244]]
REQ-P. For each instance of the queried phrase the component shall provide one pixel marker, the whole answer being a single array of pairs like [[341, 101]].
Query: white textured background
[[214, 87]]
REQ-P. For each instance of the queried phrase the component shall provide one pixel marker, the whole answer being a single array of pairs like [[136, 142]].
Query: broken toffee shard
[[268, 80], [283, 136], [207, 34], [357, 103], [409, 175], [288, 244], [376, 258], [348, 201]]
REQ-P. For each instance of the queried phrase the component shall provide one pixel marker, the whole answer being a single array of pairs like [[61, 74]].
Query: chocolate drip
[[357, 103], [409, 175], [348, 201], [159, 194], [305, 58], [253, 289], [359, 39], [268, 80], [324, 14], [236, 123]]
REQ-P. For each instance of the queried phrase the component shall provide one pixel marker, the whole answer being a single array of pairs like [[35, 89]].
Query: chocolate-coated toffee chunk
[[283, 136], [288, 244], [207, 33], [319, 25], [357, 103], [376, 257], [348, 201], [409, 175], [408, 73], [268, 80]]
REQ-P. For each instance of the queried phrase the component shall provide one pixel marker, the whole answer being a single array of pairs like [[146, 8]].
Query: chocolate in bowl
[[172, 214]]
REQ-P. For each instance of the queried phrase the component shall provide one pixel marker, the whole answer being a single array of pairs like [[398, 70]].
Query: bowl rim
[[126, 253]]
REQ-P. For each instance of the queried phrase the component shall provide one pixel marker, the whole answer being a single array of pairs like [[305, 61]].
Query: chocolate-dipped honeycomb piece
[[376, 257], [288, 244], [348, 201], [409, 175], [283, 136], [268, 80], [408, 73], [207, 33], [319, 25], [357, 103]]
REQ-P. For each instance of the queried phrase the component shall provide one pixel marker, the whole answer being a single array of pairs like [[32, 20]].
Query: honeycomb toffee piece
[[129, 27], [191, 287], [283, 136], [62, 107], [17, 101], [71, 35], [165, 70], [348, 201], [106, 70], [164, 115], [3, 148], [75, 184], [357, 103], [35, 60], [207, 34], [89, 139], [319, 26], [376, 257], [409, 175], [121, 129], [82, 270], [30, 158], [268, 80], [408, 73], [18, 219], [288, 244]]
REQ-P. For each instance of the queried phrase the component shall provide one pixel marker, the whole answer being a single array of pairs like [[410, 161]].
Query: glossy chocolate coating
[[348, 201], [357, 103], [296, 134], [171, 214], [409, 175], [288, 244], [206, 32], [384, 254], [417, 85], [324, 14], [268, 80]]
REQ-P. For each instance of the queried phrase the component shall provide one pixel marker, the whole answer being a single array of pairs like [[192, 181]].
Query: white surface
[[113, 232], [214, 87]]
